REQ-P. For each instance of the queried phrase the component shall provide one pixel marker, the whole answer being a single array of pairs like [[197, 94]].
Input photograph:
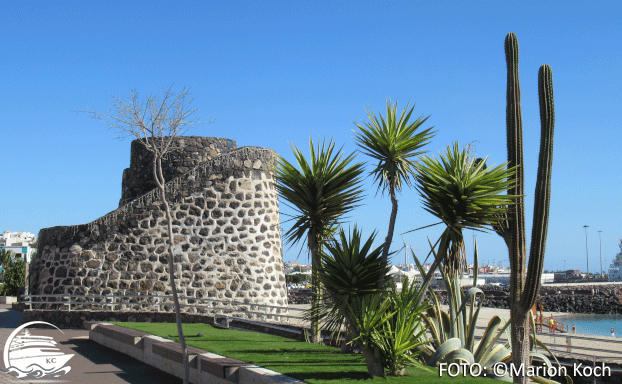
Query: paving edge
[[139, 345]]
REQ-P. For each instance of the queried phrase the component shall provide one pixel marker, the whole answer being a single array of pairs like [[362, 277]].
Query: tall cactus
[[524, 285]]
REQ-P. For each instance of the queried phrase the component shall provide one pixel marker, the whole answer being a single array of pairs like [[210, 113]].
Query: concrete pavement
[[91, 363]]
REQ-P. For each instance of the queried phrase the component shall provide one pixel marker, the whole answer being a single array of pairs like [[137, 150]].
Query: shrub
[[14, 277]]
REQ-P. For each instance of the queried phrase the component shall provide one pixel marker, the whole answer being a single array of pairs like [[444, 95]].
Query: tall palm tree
[[465, 194], [320, 192], [394, 143]]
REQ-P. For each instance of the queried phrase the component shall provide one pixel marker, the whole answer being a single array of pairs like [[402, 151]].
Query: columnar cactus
[[524, 285]]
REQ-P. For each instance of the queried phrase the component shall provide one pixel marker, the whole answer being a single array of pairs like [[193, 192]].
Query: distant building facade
[[571, 274], [22, 244], [615, 269], [504, 278]]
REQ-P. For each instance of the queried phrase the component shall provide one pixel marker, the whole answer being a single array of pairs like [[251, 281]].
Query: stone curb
[[140, 346]]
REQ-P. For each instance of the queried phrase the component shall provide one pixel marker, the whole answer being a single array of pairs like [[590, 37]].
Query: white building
[[22, 244], [504, 278], [615, 269]]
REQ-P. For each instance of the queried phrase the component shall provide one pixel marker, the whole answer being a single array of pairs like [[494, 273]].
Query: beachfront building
[[22, 244], [615, 269]]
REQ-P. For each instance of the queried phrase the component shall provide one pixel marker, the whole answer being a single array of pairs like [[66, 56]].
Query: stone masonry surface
[[227, 241], [186, 153]]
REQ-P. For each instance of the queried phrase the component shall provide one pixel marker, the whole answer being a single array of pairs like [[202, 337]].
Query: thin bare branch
[[155, 122]]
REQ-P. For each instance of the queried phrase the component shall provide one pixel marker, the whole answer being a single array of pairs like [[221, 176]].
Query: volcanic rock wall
[[186, 153], [226, 239], [571, 298]]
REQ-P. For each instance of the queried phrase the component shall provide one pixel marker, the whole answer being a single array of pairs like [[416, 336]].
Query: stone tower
[[227, 239]]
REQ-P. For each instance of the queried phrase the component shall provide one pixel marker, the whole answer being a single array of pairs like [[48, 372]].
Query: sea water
[[598, 325]]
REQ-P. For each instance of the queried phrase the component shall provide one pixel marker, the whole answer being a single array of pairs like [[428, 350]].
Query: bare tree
[[155, 123]]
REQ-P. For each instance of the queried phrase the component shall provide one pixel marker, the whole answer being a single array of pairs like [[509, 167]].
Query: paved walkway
[[91, 363]]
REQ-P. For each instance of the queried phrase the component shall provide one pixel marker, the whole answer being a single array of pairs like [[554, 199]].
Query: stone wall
[[227, 239], [572, 298], [186, 153]]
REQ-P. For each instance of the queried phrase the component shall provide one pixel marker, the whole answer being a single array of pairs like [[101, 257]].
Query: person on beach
[[613, 332], [574, 329], [551, 325]]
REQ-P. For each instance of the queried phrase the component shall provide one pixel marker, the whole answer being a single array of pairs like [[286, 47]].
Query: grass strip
[[304, 361]]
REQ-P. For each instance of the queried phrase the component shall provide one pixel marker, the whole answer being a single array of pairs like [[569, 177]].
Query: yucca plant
[[395, 143], [386, 325], [462, 191], [321, 192], [464, 194], [393, 328], [349, 271], [350, 268], [401, 337]]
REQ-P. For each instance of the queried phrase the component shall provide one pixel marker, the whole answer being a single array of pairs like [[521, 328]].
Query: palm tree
[[465, 194], [321, 192], [394, 143]]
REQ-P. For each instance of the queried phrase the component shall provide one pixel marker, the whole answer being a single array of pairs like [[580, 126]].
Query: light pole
[[601, 253], [587, 257]]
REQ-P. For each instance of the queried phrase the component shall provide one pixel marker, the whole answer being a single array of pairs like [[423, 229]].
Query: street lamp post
[[601, 253], [587, 257]]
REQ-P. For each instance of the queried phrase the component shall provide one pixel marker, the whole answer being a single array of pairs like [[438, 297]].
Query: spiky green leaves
[[321, 191], [350, 268], [386, 322], [394, 143], [463, 195]]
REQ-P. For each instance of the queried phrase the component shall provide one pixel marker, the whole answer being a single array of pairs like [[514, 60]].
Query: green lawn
[[304, 361]]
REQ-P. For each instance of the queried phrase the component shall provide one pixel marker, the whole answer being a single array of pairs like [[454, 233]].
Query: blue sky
[[274, 73]]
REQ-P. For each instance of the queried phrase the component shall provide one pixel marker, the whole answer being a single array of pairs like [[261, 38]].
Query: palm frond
[[464, 195], [321, 191], [393, 143]]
